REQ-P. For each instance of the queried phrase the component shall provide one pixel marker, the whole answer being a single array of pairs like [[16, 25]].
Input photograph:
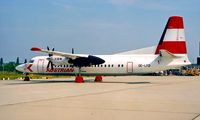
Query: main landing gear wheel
[[98, 79], [79, 79]]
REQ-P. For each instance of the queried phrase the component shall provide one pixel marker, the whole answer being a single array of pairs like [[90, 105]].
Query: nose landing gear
[[26, 78]]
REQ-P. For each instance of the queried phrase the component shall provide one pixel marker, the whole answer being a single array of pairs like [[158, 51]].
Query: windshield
[[31, 61]]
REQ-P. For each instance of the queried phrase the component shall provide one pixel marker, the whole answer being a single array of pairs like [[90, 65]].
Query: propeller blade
[[48, 64], [49, 50], [51, 65]]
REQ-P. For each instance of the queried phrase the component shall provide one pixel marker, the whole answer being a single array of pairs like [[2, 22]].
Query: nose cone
[[20, 68]]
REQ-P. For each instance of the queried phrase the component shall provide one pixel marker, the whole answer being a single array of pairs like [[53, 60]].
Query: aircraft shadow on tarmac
[[72, 81]]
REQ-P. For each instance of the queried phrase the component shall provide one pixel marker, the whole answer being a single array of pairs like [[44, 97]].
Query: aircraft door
[[40, 66], [129, 67]]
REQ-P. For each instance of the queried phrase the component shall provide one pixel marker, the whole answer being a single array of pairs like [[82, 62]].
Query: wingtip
[[35, 49]]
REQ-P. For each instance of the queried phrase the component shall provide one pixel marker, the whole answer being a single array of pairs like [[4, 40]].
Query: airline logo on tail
[[173, 38]]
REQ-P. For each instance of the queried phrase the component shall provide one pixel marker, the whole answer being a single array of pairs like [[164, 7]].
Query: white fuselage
[[114, 65], [170, 53]]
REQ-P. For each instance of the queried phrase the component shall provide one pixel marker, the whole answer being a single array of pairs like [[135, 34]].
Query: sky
[[91, 26]]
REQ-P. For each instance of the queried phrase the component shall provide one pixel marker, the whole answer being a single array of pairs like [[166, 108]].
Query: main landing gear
[[98, 78], [79, 78]]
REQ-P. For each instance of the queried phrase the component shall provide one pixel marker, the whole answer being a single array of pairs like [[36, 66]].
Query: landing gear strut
[[79, 78], [27, 78]]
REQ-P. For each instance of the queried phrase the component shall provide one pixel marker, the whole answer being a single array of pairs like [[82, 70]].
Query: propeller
[[49, 50], [50, 63]]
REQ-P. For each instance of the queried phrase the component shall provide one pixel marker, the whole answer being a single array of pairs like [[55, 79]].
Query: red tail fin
[[173, 38]]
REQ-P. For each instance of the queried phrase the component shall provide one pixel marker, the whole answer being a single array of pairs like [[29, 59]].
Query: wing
[[76, 59], [67, 55]]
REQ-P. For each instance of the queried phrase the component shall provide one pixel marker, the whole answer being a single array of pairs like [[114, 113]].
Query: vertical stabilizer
[[173, 37]]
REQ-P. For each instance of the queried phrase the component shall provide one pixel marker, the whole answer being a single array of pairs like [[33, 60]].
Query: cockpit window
[[31, 61]]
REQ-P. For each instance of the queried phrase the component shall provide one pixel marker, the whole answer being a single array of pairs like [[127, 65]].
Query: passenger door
[[129, 67]]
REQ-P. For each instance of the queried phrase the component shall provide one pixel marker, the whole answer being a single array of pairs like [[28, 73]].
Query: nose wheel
[[26, 78]]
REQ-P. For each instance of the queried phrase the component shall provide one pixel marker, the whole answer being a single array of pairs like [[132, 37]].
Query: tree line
[[10, 66]]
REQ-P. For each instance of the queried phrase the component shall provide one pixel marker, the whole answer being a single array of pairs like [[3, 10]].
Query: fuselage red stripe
[[175, 47]]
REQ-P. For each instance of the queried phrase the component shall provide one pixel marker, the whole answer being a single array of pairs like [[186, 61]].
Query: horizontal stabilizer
[[167, 54], [147, 50]]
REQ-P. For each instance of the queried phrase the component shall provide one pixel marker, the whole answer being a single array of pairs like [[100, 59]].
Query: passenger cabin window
[[120, 65]]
